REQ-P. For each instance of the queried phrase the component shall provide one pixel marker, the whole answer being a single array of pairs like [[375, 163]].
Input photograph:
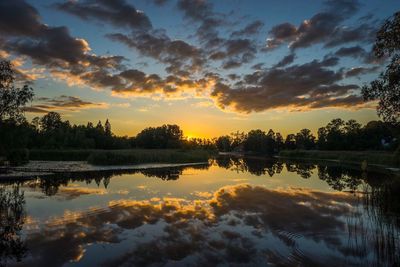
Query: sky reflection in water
[[246, 212]]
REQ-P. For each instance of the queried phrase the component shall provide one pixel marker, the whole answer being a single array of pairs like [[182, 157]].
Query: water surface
[[233, 212]]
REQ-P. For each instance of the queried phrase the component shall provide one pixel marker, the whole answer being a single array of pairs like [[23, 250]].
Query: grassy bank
[[371, 157], [138, 156], [59, 155], [123, 157]]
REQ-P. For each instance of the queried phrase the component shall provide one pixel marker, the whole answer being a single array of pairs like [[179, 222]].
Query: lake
[[232, 212]]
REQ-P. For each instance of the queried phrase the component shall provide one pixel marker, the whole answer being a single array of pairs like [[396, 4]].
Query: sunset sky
[[212, 67]]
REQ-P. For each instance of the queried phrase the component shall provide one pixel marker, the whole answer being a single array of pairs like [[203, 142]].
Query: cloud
[[117, 12], [297, 87], [63, 55], [250, 29], [64, 103], [19, 18], [361, 70], [357, 52], [324, 27], [202, 12], [353, 51], [180, 56], [281, 33], [160, 2], [238, 52], [285, 61]]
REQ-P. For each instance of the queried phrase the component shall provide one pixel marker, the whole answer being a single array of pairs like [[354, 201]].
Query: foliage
[[259, 142], [224, 143], [336, 135], [305, 139], [166, 136], [12, 99], [341, 135], [386, 88]]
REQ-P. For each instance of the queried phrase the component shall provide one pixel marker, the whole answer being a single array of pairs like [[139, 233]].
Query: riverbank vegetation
[[140, 156]]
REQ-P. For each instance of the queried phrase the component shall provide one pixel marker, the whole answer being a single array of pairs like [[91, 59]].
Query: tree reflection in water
[[12, 217]]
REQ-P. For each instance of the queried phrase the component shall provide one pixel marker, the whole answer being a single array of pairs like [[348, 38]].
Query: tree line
[[52, 132], [336, 135]]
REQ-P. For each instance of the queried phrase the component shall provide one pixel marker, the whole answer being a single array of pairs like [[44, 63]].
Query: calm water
[[234, 212]]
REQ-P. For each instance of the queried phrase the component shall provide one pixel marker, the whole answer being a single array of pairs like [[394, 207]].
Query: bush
[[18, 156]]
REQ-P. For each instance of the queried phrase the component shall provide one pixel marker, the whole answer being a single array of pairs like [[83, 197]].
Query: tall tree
[[386, 88], [12, 99]]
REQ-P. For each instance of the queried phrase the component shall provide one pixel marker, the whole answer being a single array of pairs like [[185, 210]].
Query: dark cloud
[[257, 66], [285, 61], [69, 59], [324, 27], [361, 70], [238, 52], [132, 82], [298, 87], [177, 54], [367, 57], [342, 35], [231, 64], [71, 103], [52, 47], [201, 11], [353, 51], [233, 76], [160, 2], [281, 33], [117, 12], [251, 29], [19, 18], [235, 52], [29, 36]]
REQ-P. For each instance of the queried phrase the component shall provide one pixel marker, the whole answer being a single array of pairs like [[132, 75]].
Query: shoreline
[[334, 157], [34, 169]]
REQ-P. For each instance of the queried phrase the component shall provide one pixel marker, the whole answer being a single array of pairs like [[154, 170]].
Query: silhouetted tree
[[50, 122], [290, 142], [107, 128], [387, 87], [279, 141], [12, 100], [223, 143], [166, 136], [259, 142], [305, 139]]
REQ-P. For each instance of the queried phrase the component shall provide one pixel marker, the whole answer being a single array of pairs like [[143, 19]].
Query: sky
[[212, 67]]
